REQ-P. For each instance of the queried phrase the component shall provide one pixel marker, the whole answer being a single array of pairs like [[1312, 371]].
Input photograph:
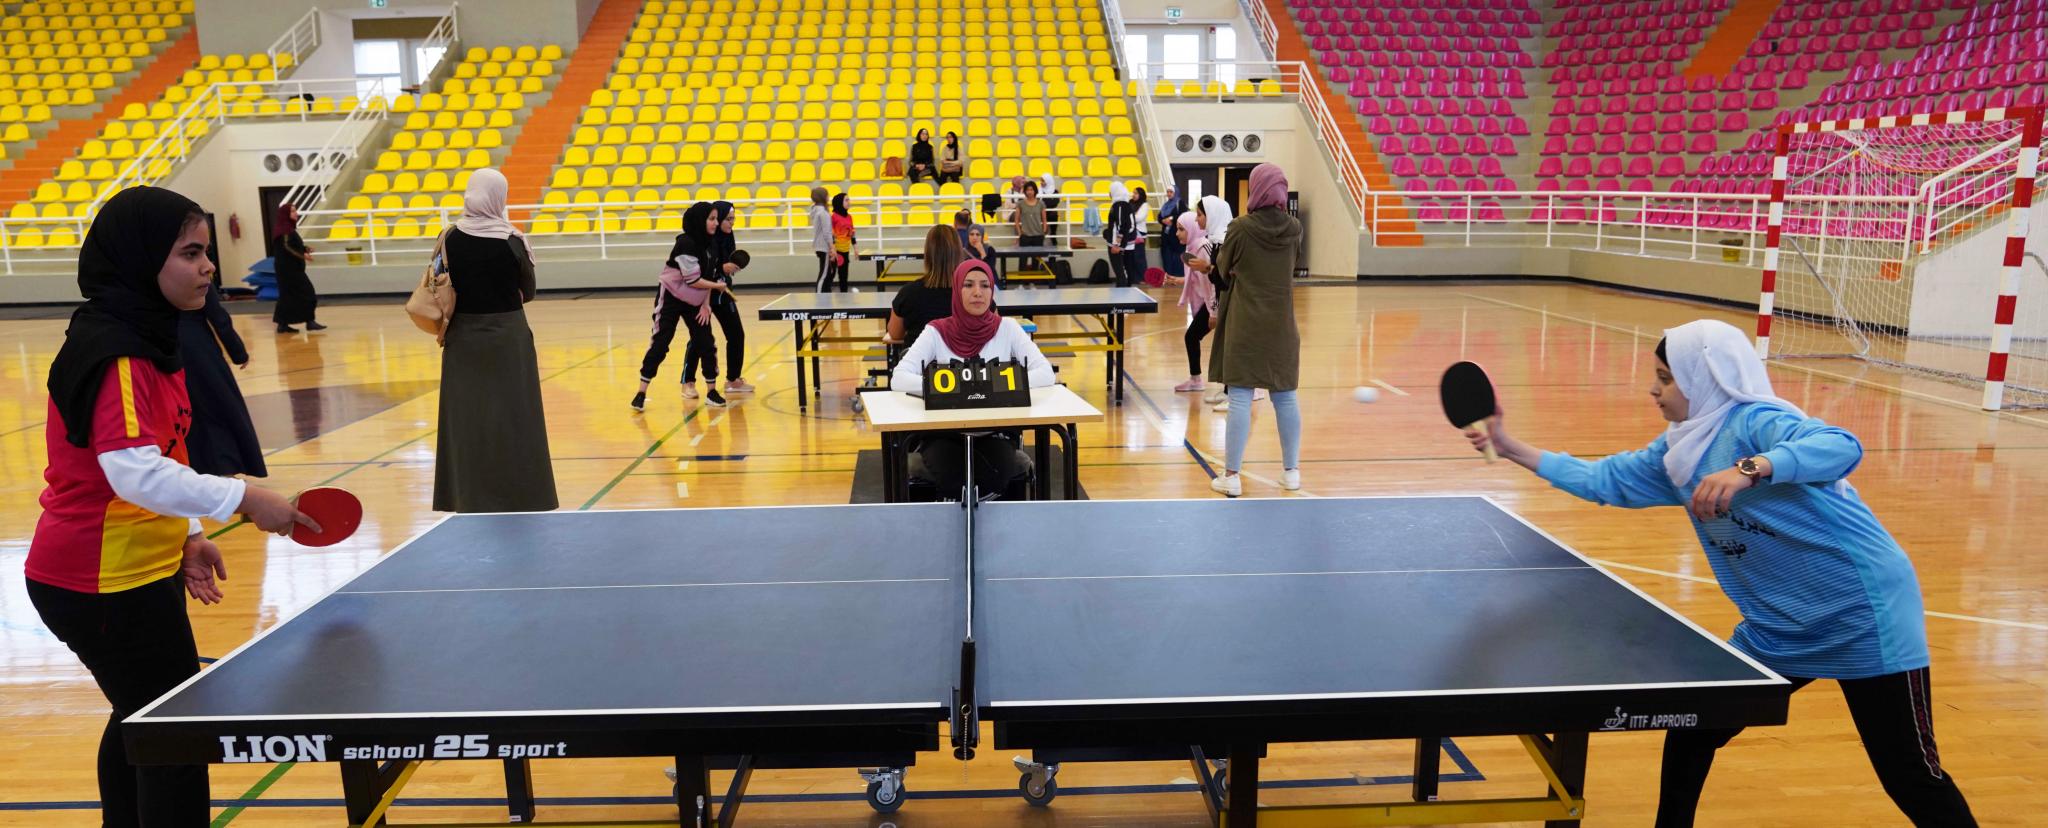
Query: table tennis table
[[1107, 307], [885, 261], [840, 636]]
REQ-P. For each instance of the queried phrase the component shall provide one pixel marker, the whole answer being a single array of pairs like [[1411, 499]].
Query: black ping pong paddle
[[1468, 399]]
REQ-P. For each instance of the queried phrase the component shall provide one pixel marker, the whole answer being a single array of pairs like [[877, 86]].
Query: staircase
[[40, 163], [539, 143]]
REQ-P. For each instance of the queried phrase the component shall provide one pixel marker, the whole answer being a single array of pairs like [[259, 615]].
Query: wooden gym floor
[[356, 406]]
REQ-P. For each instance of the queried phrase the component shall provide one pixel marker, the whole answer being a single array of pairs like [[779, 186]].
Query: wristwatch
[[1748, 467]]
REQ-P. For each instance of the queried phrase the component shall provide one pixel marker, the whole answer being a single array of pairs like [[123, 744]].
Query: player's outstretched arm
[[1504, 444]]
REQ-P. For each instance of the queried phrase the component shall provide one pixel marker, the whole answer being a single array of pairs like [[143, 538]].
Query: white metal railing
[[1144, 118], [216, 104], [1262, 25], [1691, 226], [623, 230], [1222, 80], [298, 41], [1240, 79], [445, 34], [343, 145]]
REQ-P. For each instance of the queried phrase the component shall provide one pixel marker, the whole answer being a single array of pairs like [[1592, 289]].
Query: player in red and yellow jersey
[[119, 534]]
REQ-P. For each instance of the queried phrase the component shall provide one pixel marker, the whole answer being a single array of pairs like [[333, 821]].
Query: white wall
[[227, 173], [251, 25], [1955, 291], [1291, 143]]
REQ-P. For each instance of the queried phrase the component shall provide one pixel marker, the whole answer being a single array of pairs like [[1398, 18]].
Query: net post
[[2015, 256]]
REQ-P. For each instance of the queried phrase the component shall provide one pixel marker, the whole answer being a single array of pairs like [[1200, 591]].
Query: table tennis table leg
[[364, 785], [693, 791], [1428, 763], [803, 387], [1241, 787], [519, 789], [1116, 355], [1567, 755]]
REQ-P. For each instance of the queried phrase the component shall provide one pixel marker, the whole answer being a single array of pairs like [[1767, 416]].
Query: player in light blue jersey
[[1824, 590]]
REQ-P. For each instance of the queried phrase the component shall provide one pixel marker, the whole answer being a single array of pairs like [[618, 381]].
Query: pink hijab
[[1197, 291], [1269, 188], [965, 333]]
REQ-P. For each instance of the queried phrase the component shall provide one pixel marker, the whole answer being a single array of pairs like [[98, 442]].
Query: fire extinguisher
[[235, 227]]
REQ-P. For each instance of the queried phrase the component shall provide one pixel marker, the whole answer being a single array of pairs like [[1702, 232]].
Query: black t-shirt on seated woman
[[485, 273], [919, 305]]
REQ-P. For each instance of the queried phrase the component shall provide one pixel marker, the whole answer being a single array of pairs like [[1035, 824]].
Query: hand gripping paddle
[[1468, 399], [336, 510]]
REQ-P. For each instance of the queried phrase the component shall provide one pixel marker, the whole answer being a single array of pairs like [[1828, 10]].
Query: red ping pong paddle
[[1468, 399], [1154, 277], [336, 510]]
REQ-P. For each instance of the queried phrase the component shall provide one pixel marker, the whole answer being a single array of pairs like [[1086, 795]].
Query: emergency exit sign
[[378, 4], [1173, 13]]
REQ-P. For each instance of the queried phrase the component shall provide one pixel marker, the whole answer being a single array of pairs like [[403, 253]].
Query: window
[[426, 58], [1135, 54], [1226, 53], [1183, 56], [379, 60]]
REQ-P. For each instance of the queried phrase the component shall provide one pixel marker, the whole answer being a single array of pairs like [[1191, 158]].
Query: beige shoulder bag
[[433, 300]]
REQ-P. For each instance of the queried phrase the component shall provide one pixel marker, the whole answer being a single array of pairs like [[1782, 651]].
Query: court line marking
[[1297, 574], [646, 586], [1857, 381], [1390, 387]]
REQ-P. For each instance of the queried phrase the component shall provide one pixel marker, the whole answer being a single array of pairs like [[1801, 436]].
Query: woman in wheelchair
[[974, 329]]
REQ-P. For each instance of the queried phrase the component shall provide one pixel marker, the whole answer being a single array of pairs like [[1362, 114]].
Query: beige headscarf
[[483, 206]]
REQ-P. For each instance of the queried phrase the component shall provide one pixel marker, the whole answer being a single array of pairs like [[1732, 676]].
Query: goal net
[[1902, 241]]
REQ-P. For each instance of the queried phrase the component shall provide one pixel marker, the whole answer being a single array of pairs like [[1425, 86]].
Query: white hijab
[[1218, 212], [1717, 369], [483, 206]]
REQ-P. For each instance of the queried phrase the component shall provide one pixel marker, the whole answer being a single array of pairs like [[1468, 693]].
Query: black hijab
[[125, 313], [694, 241], [723, 243]]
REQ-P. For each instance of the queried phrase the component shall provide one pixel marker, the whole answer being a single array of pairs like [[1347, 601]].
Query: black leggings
[[1197, 331], [828, 266], [945, 462], [726, 313], [668, 310], [1894, 715], [138, 645], [1134, 267]]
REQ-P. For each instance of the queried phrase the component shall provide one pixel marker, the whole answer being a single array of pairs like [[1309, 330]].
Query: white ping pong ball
[[1365, 394]]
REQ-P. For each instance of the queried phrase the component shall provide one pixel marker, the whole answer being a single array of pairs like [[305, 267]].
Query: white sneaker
[[1223, 406], [1291, 480], [1215, 395], [689, 390], [1228, 485]]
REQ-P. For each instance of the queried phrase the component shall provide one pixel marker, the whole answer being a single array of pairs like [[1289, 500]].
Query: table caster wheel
[[885, 796], [1038, 796]]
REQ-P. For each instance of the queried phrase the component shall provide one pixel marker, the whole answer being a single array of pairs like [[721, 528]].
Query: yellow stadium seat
[[405, 183], [342, 230], [375, 183]]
